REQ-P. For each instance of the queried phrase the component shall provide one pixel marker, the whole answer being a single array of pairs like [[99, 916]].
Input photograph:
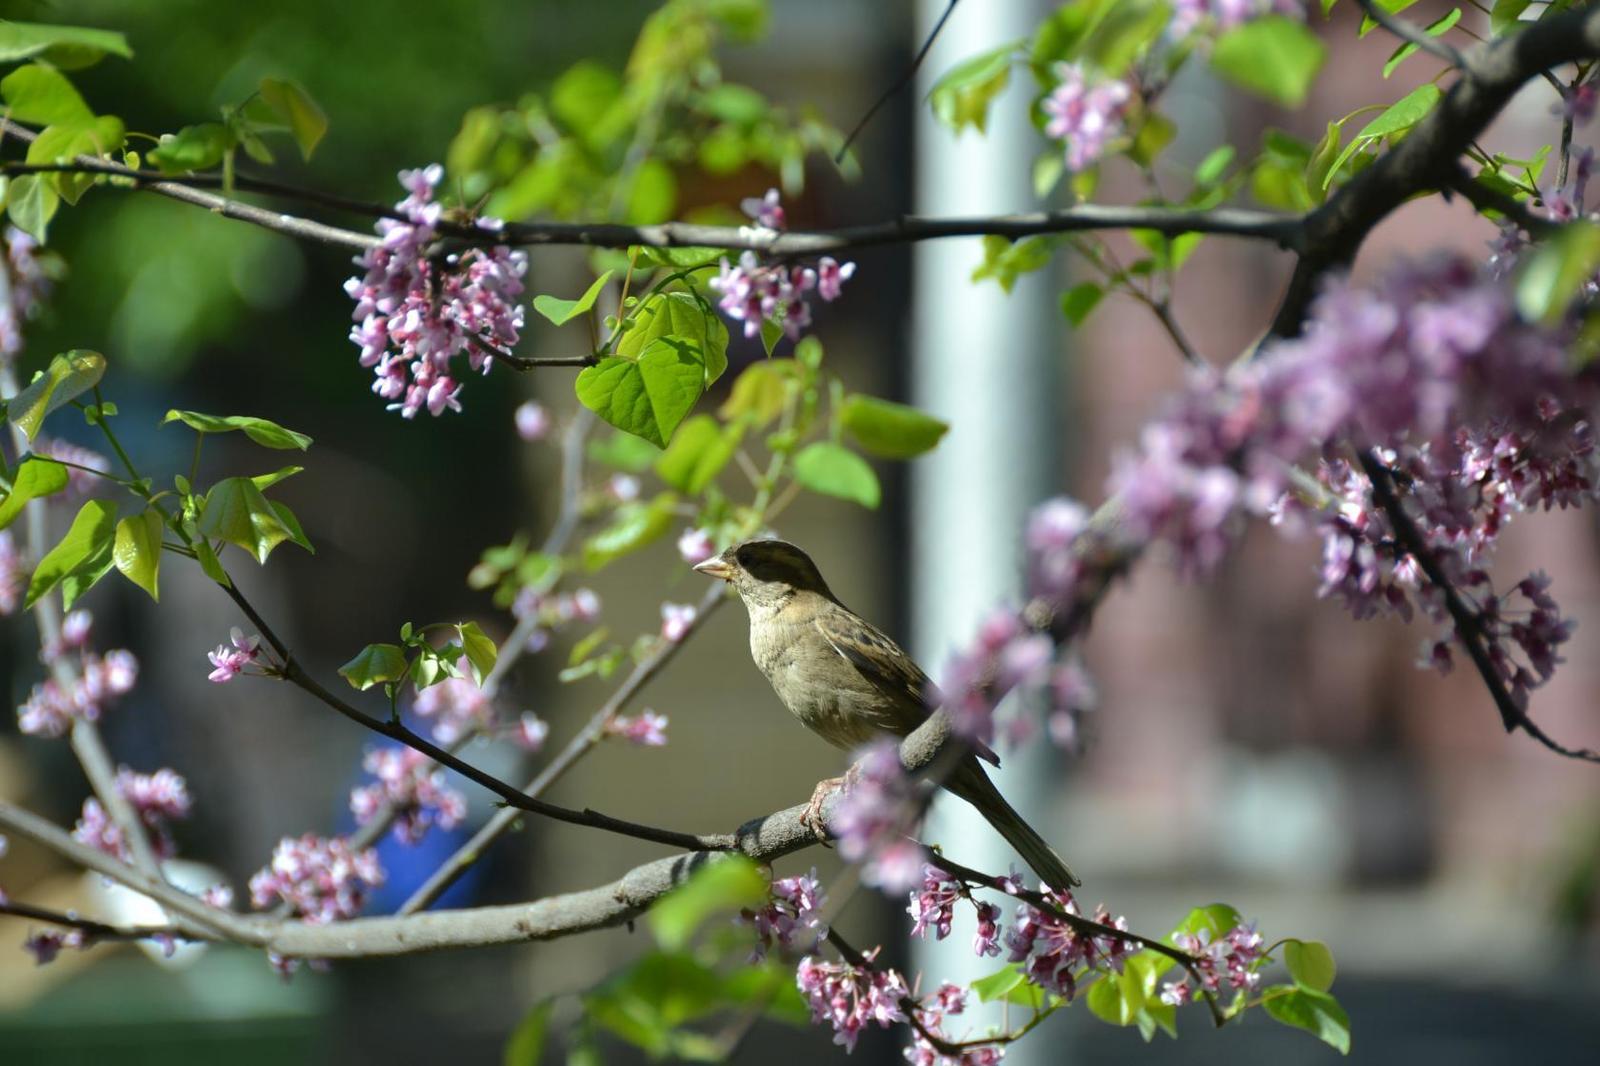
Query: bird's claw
[[812, 819]]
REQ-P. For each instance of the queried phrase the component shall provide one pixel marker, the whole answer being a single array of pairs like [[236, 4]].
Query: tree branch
[[1413, 34]]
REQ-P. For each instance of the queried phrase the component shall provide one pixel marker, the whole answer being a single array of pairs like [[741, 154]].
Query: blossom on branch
[[849, 997], [793, 911], [754, 292], [229, 662], [91, 683], [1056, 956], [1085, 115], [413, 787], [1231, 959], [647, 729], [323, 879]]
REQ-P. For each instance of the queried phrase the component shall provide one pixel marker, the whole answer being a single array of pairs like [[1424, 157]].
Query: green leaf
[[479, 650], [136, 550], [891, 430], [834, 470], [65, 141], [697, 454], [1214, 165], [36, 477], [236, 511], [68, 376], [962, 96], [88, 539], [192, 148], [634, 526], [647, 397], [265, 433], [1214, 920], [1005, 260], [1396, 118], [678, 315], [42, 95], [1315, 1012], [1125, 29], [374, 665], [86, 577], [719, 886], [623, 451], [31, 201], [1506, 16], [1437, 28], [563, 311], [526, 1043], [1274, 57], [1393, 7], [266, 481], [1556, 271], [294, 105], [759, 392], [291, 523], [1078, 301], [1310, 963], [66, 47], [1010, 985]]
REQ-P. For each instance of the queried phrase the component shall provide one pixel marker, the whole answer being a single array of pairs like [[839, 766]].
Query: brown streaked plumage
[[848, 682]]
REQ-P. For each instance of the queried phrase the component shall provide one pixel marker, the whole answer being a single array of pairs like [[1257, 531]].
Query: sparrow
[[850, 684]]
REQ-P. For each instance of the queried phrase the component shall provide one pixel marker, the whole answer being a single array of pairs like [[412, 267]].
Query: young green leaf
[[291, 523], [1437, 28], [265, 433], [834, 470], [192, 148], [1398, 117], [1315, 1012], [136, 550], [962, 96], [479, 650], [623, 451], [236, 511], [1506, 14], [563, 311], [66, 378], [40, 94], [65, 47], [647, 397], [1556, 271], [87, 542], [1310, 963], [1079, 301], [891, 430], [634, 526], [36, 478], [294, 105], [698, 453], [678, 315], [759, 392], [31, 201], [1275, 57], [375, 664], [722, 885], [525, 1046]]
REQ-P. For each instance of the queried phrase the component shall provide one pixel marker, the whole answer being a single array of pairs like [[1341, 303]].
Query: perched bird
[[850, 684]]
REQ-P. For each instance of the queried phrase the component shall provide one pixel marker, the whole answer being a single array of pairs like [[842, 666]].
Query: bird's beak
[[716, 566]]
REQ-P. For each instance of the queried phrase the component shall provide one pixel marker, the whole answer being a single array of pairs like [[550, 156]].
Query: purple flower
[[767, 211], [156, 799], [322, 879], [411, 785], [676, 619], [1055, 955], [1087, 117], [533, 422], [456, 705], [1232, 959], [231, 662], [793, 912], [696, 546], [530, 731], [648, 729], [849, 998]]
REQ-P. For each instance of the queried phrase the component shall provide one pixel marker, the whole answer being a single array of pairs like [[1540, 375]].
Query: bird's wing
[[883, 664]]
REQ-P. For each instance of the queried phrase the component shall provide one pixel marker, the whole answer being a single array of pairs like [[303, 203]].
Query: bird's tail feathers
[[973, 785]]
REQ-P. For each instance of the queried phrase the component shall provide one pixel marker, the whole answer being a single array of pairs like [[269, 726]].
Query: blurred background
[[1252, 744]]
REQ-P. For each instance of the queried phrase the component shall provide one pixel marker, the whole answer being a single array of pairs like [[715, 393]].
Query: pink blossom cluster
[[323, 879], [1566, 203], [874, 816], [94, 682], [754, 292], [676, 620], [647, 728], [947, 999], [933, 906], [26, 284], [1056, 955], [554, 611], [229, 662], [157, 799], [850, 998], [1015, 649], [793, 911], [1474, 416], [416, 310], [456, 706], [696, 546], [413, 786], [1085, 114], [1190, 15], [1232, 959], [529, 731]]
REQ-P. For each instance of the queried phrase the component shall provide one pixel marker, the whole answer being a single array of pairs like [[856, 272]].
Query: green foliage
[[1274, 57], [760, 392], [634, 526], [563, 311], [527, 1040], [698, 453], [1554, 274], [85, 550], [235, 511], [1078, 302], [376, 664], [35, 478], [64, 47], [890, 430], [678, 316], [66, 378], [289, 101], [962, 96], [1278, 178], [1005, 260], [1316, 1012], [1437, 28], [136, 550], [479, 650], [31, 202], [1310, 964], [647, 396], [1130, 998], [265, 433], [834, 470], [1506, 14], [719, 887], [277, 106], [1010, 984], [1397, 118]]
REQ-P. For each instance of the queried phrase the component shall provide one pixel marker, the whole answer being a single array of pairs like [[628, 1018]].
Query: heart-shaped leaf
[[647, 397]]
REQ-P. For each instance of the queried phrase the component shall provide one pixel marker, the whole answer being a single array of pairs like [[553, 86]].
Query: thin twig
[[905, 79], [1413, 34]]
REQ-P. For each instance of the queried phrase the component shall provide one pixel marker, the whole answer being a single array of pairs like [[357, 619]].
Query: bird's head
[[766, 572]]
